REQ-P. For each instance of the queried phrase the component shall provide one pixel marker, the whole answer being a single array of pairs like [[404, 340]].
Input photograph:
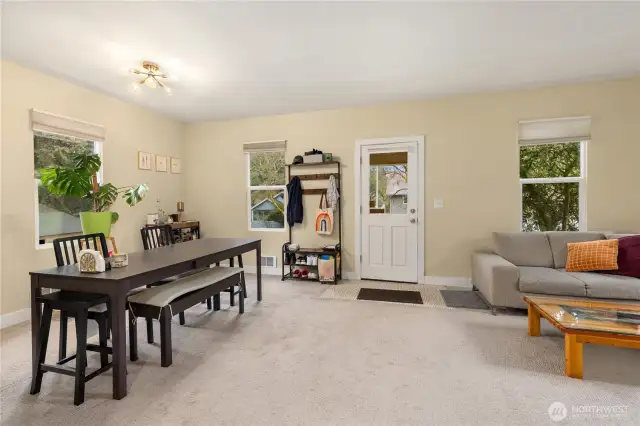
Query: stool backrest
[[156, 236], [67, 248]]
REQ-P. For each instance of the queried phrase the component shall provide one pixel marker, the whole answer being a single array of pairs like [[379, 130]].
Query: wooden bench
[[164, 301]]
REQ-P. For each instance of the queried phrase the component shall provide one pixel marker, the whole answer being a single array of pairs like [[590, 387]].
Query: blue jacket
[[294, 202]]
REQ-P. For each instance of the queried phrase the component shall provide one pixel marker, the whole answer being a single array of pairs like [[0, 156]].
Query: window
[[553, 174], [388, 177], [57, 215], [267, 187]]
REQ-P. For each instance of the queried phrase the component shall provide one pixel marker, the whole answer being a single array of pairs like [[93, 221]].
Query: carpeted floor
[[299, 359]]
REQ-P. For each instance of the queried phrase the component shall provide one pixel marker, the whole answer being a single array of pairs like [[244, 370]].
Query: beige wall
[[129, 129], [471, 163]]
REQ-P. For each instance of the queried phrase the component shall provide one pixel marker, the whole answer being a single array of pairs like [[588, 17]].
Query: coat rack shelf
[[314, 191], [320, 176], [336, 253]]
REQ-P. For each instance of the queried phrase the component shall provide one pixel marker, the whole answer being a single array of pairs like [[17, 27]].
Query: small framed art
[[176, 165], [144, 160], [161, 163]]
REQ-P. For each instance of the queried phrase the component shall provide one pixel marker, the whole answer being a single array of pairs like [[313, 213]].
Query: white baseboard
[[462, 282], [13, 318], [251, 269]]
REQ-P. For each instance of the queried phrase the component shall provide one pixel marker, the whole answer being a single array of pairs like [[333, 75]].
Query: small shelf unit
[[337, 265]]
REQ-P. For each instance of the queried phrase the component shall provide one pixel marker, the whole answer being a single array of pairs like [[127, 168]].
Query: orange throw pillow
[[601, 255]]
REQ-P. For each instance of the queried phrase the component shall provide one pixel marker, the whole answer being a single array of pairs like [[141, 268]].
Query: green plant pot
[[96, 222]]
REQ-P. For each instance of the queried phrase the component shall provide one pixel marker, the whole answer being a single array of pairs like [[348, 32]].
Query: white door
[[389, 200]]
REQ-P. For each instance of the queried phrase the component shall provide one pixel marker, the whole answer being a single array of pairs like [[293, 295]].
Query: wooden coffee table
[[583, 321]]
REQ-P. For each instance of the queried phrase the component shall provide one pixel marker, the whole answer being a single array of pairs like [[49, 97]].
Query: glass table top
[[602, 317]]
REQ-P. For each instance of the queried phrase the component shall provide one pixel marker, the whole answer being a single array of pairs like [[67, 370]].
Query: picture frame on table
[[162, 163], [144, 160], [111, 245]]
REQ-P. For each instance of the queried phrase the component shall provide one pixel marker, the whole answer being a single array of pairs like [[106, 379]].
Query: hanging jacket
[[294, 202]]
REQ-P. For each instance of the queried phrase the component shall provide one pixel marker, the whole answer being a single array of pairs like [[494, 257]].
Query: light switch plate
[[438, 204]]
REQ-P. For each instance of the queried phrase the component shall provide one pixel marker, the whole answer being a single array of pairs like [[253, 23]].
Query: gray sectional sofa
[[532, 263]]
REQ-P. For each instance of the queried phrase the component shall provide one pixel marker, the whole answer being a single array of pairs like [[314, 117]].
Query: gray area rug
[[463, 299], [298, 359]]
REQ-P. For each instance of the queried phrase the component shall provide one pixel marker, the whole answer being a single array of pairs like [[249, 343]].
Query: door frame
[[420, 142]]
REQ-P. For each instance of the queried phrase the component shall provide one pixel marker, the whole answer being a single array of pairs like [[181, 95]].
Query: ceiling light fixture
[[151, 77]]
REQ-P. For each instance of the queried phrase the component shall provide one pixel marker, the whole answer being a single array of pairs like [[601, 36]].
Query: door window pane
[[388, 183], [550, 207]]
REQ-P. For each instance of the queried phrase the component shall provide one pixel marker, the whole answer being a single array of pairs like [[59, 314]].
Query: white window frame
[[97, 149], [250, 188], [580, 180]]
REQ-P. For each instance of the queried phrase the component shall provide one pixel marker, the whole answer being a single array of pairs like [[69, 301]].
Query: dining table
[[144, 267]]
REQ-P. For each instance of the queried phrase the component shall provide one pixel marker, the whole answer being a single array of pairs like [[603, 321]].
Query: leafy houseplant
[[80, 180]]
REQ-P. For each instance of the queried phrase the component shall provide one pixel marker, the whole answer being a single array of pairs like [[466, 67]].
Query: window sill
[[268, 229], [47, 246]]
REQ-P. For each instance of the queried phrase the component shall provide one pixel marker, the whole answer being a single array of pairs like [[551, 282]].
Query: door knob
[[413, 220], [412, 211]]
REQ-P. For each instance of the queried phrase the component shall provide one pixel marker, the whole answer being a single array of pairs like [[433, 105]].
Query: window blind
[[46, 122], [266, 146], [554, 131]]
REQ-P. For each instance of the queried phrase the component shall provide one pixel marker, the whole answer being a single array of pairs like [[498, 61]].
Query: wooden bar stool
[[76, 305], [66, 251]]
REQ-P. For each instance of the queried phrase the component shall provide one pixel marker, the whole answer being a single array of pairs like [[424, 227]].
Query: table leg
[[534, 321], [572, 356], [118, 342], [259, 271], [36, 317]]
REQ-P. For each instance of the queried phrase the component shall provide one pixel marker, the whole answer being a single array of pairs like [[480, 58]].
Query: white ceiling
[[243, 59]]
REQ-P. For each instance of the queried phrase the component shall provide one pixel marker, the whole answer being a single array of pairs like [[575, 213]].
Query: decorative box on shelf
[[313, 159]]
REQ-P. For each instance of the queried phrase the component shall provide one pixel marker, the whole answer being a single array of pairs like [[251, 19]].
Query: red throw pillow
[[628, 257]]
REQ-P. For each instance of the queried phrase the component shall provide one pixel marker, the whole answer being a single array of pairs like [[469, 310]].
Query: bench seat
[[163, 295], [164, 301]]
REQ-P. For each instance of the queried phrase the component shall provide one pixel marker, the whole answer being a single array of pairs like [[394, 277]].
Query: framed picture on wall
[[176, 165], [161, 163], [144, 160]]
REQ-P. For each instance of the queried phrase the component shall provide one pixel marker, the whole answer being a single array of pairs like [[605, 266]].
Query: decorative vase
[[96, 222]]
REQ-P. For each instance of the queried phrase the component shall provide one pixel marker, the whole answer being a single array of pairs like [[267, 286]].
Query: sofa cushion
[[550, 281], [592, 256], [618, 236], [606, 286], [524, 248], [558, 241], [628, 257]]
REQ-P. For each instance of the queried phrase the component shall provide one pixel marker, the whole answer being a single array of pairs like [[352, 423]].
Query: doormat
[[398, 296], [463, 299]]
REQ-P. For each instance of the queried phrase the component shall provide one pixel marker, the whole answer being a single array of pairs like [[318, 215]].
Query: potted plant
[[81, 180]]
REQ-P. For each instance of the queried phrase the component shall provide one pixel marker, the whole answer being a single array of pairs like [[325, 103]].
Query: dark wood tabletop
[[146, 261]]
